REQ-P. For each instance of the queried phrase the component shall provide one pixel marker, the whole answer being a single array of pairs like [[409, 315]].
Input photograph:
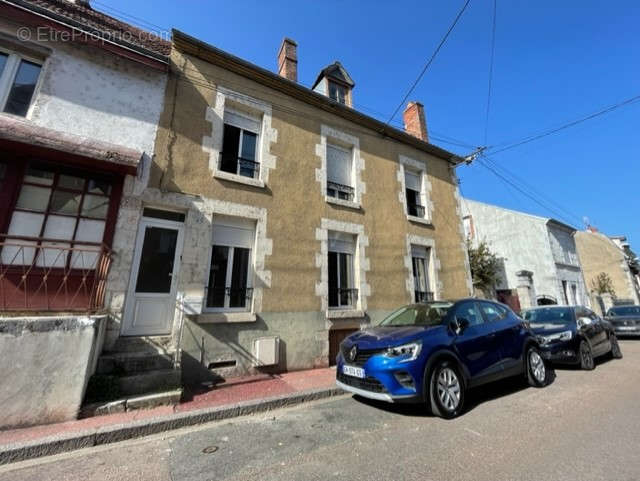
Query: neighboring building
[[612, 255], [540, 264], [278, 219], [81, 95]]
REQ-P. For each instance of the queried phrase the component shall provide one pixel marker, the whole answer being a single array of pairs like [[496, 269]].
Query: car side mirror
[[459, 325]]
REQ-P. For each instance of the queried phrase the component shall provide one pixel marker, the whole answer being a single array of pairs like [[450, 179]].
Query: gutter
[[191, 45]]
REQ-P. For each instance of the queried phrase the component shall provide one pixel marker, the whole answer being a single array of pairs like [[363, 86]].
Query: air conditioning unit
[[266, 351]]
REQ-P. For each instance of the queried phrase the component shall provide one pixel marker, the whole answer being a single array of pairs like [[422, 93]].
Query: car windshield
[[549, 315], [624, 311], [418, 315]]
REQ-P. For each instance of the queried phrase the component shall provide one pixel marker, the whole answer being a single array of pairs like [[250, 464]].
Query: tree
[[602, 284], [484, 266]]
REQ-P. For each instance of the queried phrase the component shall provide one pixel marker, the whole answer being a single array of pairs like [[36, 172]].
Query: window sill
[[343, 203], [226, 317], [419, 220], [344, 314], [240, 179]]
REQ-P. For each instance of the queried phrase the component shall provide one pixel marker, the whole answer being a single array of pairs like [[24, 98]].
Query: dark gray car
[[625, 320]]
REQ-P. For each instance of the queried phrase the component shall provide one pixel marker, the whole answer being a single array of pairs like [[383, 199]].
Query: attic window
[[338, 92]]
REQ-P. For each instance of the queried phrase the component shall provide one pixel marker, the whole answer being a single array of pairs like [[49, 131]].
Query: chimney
[[288, 60], [414, 121]]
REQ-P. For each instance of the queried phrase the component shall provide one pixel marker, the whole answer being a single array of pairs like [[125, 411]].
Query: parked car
[[625, 320], [573, 334], [434, 352]]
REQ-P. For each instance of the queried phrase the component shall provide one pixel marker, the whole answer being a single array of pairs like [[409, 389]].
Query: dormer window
[[338, 92], [335, 83]]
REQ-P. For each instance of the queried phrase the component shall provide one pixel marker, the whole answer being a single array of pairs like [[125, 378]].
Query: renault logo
[[353, 353]]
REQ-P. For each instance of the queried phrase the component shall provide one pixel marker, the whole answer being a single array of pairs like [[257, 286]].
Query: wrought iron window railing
[[241, 166], [238, 297], [416, 210], [423, 296], [41, 274], [343, 297], [340, 191]]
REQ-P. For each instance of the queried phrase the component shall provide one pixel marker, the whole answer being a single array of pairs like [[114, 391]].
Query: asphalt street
[[584, 426]]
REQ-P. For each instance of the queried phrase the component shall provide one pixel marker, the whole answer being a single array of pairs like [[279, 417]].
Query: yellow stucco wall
[[293, 197]]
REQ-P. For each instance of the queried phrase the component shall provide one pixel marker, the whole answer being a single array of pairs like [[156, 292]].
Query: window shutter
[[241, 120], [419, 251], [412, 180], [233, 232], [341, 242], [338, 165]]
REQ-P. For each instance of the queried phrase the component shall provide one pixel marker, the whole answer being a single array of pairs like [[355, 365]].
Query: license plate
[[353, 371]]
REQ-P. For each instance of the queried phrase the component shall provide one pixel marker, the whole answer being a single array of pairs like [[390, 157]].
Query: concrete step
[[122, 363], [109, 387], [142, 344]]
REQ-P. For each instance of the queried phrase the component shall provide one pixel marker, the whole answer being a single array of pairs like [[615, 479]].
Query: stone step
[[122, 363], [142, 344], [108, 387]]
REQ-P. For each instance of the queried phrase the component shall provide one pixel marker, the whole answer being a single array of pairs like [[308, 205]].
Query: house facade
[[81, 95], [277, 219], [539, 260], [611, 255]]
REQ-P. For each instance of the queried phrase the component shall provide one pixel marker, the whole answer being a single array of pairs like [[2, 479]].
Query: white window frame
[[9, 74], [351, 281], [432, 265], [349, 152], [243, 129], [425, 268], [416, 167]]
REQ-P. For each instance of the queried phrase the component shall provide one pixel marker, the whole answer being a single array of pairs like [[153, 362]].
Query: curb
[[11, 453]]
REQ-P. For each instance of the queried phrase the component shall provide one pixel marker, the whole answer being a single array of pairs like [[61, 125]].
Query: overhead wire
[[493, 47]]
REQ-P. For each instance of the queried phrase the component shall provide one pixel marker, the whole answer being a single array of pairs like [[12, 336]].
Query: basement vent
[[221, 364]]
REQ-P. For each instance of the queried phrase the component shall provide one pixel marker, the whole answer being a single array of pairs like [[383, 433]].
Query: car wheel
[[538, 373], [586, 357], [616, 352], [446, 390]]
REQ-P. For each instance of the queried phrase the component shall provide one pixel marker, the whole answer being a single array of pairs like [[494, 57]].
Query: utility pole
[[468, 159]]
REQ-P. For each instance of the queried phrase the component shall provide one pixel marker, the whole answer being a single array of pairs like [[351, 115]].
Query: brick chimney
[[288, 59], [414, 121]]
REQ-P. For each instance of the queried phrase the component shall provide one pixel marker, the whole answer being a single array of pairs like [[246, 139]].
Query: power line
[[444, 39], [493, 46], [528, 139], [130, 18]]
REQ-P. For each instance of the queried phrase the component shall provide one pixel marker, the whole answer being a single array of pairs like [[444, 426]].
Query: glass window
[[339, 172], [338, 92], [413, 184], [431, 314], [22, 88], [468, 311], [419, 256], [70, 182], [493, 312], [156, 260], [95, 206], [624, 311], [33, 198], [64, 202], [100, 187], [549, 315], [38, 176], [240, 144], [341, 292]]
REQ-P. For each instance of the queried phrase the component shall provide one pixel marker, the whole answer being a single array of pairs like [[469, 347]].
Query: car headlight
[[560, 336], [409, 352]]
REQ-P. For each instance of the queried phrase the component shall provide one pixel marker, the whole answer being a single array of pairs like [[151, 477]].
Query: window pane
[[419, 274], [240, 270], [90, 230], [469, 312], [86, 257], [412, 181], [249, 141], [95, 206], [333, 279], [230, 145], [156, 260], [70, 182], [53, 254], [59, 227], [339, 165], [33, 198], [99, 187], [65, 202], [22, 89], [38, 176], [217, 276]]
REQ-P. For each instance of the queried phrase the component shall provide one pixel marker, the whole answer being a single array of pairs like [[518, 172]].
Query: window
[[18, 79], [420, 261], [339, 172], [413, 184], [230, 276], [468, 311], [565, 292], [240, 141], [493, 312], [62, 210], [338, 92], [341, 252]]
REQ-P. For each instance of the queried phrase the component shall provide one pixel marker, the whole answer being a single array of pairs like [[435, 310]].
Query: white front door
[[150, 304]]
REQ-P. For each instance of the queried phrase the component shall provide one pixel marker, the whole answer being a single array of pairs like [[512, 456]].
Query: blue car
[[434, 352]]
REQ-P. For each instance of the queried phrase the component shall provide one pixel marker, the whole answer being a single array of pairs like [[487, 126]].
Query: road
[[585, 426]]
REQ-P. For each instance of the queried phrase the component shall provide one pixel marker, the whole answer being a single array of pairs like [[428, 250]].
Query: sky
[[554, 62]]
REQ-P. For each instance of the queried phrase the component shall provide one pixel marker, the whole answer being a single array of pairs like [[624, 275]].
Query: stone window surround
[[213, 144], [425, 191], [433, 267], [330, 134], [361, 266]]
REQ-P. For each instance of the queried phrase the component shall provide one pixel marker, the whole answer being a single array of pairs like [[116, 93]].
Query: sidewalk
[[236, 397]]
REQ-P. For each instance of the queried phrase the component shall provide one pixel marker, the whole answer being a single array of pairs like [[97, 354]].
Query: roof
[[83, 17], [193, 46], [337, 72]]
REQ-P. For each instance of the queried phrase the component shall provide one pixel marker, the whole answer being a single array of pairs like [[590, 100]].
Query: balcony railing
[[423, 296], [340, 191], [416, 210], [239, 297], [241, 166], [39, 274], [341, 297]]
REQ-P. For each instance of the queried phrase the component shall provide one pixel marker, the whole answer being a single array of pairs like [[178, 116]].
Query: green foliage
[[602, 284], [484, 265]]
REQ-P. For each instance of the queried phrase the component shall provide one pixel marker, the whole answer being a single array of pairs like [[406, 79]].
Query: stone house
[[539, 260], [612, 255], [81, 95], [277, 219]]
